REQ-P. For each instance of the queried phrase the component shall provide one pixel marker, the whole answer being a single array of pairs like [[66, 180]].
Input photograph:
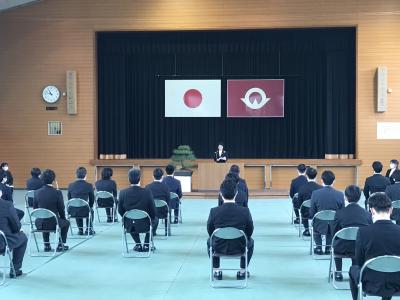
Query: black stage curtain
[[318, 66]]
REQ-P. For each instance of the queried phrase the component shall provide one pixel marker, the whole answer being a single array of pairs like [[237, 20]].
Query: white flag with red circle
[[192, 98]]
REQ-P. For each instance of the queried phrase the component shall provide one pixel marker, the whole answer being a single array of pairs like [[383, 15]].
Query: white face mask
[[392, 166], [5, 168]]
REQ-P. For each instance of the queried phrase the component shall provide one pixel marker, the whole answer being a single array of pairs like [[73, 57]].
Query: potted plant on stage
[[183, 159]]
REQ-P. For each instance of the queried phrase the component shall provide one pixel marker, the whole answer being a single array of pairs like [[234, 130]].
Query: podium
[[211, 174]]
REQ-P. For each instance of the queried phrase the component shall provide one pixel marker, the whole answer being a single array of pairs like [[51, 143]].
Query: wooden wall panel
[[344, 176], [254, 177], [40, 42]]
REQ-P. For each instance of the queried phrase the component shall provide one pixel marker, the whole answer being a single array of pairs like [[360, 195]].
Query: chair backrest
[[42, 213], [396, 204], [173, 195], [77, 202], [135, 214], [29, 194], [3, 242], [228, 233], [104, 195], [160, 203], [348, 233], [384, 264], [306, 203], [325, 215]]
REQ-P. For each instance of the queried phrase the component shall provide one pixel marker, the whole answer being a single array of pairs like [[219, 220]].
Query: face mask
[[5, 168], [392, 166]]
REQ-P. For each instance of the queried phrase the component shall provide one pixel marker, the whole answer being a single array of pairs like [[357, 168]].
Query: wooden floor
[[261, 194]]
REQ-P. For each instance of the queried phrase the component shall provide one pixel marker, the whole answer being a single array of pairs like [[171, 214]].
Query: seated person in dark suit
[[82, 189], [380, 238], [161, 192], [106, 184], [34, 183], [230, 215], [220, 156], [393, 192], [174, 186], [394, 168], [135, 197], [242, 185], [7, 195], [375, 183], [240, 197], [294, 188], [16, 239], [304, 194], [326, 198], [353, 215], [48, 197]]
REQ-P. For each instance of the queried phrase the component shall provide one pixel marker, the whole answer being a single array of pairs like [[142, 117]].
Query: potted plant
[[183, 159]]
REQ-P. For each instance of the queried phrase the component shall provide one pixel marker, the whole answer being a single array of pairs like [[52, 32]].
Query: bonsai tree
[[183, 157]]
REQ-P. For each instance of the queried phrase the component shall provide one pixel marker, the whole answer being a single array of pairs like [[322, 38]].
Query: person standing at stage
[[220, 156], [394, 168], [294, 188]]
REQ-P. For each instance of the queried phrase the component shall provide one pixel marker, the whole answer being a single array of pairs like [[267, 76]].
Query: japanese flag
[[192, 98]]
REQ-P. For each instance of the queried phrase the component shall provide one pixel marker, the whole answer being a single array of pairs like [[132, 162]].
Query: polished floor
[[94, 269]]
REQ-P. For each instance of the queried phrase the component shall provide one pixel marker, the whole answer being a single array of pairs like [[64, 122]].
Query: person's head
[[228, 189], [157, 174], [232, 176], [134, 176], [234, 169], [4, 166], [48, 176], [394, 163], [396, 176], [352, 193], [81, 173], [380, 206], [328, 177], [377, 166], [311, 173], [106, 173], [35, 172], [170, 169], [301, 169], [220, 146]]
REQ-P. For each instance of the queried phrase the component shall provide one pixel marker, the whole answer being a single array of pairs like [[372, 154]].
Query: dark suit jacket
[[33, 184], [135, 197], [160, 191], [10, 225], [242, 185], [83, 190], [380, 238], [230, 215], [7, 192], [296, 184], [353, 215], [106, 185], [174, 186], [240, 199], [375, 183], [10, 179], [326, 198], [223, 154], [391, 176], [393, 192], [305, 192], [52, 199]]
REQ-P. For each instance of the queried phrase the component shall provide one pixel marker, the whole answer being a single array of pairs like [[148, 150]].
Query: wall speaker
[[381, 89], [72, 105]]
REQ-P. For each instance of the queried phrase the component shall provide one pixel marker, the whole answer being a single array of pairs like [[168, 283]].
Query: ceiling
[[8, 4]]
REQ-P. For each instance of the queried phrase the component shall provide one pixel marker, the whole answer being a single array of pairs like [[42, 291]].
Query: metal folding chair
[[322, 216], [348, 234], [160, 204], [78, 203], [42, 213], [395, 205], [175, 196], [28, 194], [383, 264], [293, 214], [134, 215], [228, 233], [305, 204], [105, 195], [7, 264]]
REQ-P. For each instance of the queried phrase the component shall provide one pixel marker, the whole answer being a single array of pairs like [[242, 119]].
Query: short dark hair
[[35, 172], [395, 161], [234, 169], [301, 168], [81, 172], [228, 189], [48, 176], [3, 164], [158, 173], [169, 169], [232, 176], [311, 173], [106, 173], [353, 193], [380, 202], [328, 177], [377, 166], [134, 175], [396, 176]]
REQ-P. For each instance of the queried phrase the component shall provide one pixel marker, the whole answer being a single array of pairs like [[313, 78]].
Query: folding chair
[[322, 216], [102, 195], [5, 251], [396, 205], [78, 203], [132, 216], [305, 204], [383, 264], [41, 213], [28, 194], [160, 204], [175, 196], [228, 233], [348, 234], [293, 214]]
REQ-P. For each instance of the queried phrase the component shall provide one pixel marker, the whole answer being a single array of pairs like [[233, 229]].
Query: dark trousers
[[79, 221], [136, 238], [64, 226], [108, 210], [305, 212], [176, 213], [339, 263], [155, 225], [318, 239], [19, 251], [20, 214], [250, 250], [296, 212]]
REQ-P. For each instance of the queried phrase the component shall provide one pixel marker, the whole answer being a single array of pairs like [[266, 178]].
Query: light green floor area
[[281, 267]]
